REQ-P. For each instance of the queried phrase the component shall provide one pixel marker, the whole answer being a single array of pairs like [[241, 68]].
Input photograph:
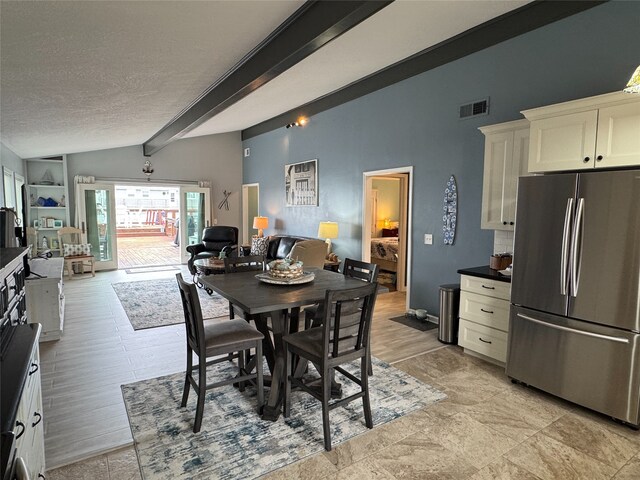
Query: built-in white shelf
[[49, 208]]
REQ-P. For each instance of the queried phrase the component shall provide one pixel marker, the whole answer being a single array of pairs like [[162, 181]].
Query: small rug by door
[[414, 322], [157, 303], [234, 442]]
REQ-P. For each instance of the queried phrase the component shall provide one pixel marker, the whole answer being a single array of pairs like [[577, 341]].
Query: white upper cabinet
[[506, 150], [594, 132], [618, 136]]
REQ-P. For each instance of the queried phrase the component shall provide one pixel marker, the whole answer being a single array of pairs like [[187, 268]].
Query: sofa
[[310, 251]]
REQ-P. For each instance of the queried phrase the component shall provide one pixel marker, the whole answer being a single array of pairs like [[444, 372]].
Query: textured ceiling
[[90, 75]]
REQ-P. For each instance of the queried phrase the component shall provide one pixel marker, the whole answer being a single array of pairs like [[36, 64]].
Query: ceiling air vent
[[474, 109]]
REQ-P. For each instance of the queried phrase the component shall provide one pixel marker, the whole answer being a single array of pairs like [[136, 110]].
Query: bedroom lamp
[[260, 223], [328, 230], [634, 82]]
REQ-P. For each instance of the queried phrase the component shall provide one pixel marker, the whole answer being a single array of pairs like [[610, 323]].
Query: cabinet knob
[[510, 223], [586, 159], [599, 158], [504, 223], [21, 425], [38, 419]]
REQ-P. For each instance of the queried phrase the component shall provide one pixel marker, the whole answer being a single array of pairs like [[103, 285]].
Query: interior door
[[607, 282], [97, 209], [195, 216], [540, 278]]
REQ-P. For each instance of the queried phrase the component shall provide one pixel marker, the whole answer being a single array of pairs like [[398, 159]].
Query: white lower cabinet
[[487, 341], [484, 316], [29, 426], [45, 297]]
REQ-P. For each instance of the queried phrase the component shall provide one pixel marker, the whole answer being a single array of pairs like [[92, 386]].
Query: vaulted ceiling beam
[[314, 25], [504, 27]]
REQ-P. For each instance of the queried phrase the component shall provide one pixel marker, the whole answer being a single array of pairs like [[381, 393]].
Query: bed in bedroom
[[384, 252]]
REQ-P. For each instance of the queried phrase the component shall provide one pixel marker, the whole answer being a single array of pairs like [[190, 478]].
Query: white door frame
[[366, 217], [183, 228], [81, 208], [245, 210]]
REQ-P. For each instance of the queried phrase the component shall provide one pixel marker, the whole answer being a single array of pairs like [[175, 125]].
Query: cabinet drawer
[[484, 286], [484, 340], [488, 311]]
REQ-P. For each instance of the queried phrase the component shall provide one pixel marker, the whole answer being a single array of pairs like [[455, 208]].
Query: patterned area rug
[[234, 442], [157, 303]]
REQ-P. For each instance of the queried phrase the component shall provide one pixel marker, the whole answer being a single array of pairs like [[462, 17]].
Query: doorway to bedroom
[[386, 232]]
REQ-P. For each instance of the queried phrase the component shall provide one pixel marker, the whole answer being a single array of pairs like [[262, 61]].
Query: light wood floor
[[147, 250], [99, 351]]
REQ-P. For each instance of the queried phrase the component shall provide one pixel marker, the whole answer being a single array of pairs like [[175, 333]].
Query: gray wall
[[216, 158], [11, 161], [415, 122]]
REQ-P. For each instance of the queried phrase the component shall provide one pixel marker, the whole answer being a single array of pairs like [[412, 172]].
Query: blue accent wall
[[415, 122]]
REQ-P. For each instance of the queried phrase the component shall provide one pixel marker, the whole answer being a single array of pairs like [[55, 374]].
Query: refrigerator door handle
[[564, 259], [576, 247], [573, 330]]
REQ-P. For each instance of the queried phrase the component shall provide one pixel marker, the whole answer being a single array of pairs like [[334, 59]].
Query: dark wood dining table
[[282, 304]]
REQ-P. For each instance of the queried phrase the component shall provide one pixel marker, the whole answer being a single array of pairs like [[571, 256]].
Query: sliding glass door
[[97, 209], [195, 215]]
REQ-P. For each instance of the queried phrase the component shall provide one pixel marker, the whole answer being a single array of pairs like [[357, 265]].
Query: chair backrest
[[216, 238], [70, 236], [310, 252], [347, 320], [362, 270], [192, 314], [248, 263]]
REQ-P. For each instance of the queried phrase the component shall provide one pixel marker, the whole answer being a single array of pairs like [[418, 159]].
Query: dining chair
[[74, 251], [367, 272], [248, 263], [343, 338], [207, 339]]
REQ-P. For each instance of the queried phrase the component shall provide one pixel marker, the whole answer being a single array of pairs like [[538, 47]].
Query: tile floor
[[487, 428]]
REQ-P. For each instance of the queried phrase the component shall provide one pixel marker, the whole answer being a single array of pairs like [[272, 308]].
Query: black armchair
[[214, 240]]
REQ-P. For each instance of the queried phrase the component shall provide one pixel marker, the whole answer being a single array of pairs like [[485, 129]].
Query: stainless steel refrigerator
[[575, 314]]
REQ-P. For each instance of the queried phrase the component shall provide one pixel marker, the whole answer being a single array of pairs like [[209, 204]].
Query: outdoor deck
[[147, 250]]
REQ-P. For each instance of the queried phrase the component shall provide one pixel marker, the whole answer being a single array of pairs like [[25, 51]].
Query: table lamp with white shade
[[260, 223], [328, 230]]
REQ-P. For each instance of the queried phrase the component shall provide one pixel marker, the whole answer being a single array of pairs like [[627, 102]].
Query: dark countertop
[[485, 272], [14, 368], [7, 255]]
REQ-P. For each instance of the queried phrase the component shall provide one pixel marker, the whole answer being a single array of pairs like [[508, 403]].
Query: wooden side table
[[332, 266]]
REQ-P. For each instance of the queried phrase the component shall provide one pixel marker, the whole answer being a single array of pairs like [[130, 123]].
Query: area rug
[[234, 442], [157, 303], [414, 322]]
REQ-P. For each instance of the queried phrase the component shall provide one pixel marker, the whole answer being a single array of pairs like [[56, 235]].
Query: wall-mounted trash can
[[449, 305]]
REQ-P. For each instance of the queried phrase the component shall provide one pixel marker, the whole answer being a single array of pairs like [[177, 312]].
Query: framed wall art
[[301, 183]]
